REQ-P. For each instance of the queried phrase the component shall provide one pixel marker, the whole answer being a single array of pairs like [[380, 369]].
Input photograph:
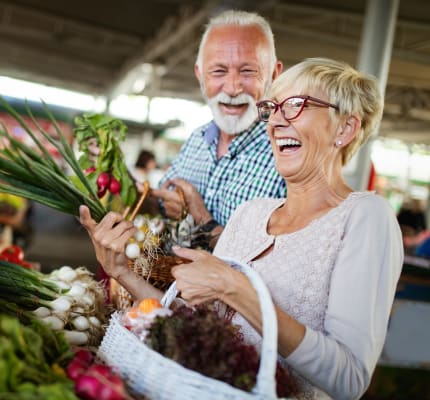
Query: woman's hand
[[109, 238], [206, 278]]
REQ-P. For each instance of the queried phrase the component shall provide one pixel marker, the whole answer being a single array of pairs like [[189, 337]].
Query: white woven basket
[[150, 374]]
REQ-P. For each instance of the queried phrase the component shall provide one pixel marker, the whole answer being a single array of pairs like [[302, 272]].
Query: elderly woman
[[331, 257]]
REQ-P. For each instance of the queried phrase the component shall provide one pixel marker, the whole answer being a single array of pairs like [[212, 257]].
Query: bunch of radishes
[[107, 182], [94, 381], [80, 311], [99, 137]]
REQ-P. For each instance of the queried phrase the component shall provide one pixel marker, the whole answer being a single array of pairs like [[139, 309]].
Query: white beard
[[233, 124]]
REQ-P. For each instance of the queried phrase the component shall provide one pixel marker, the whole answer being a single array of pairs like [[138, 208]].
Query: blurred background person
[[145, 169]]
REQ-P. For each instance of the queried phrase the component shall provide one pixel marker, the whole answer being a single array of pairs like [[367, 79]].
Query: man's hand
[[174, 204]]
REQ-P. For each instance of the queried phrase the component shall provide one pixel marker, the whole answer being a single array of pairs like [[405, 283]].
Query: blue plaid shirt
[[246, 171]]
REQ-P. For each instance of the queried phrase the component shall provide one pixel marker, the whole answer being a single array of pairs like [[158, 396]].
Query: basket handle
[[266, 383]]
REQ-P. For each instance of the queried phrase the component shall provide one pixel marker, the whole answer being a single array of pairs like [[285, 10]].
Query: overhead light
[[50, 95], [138, 85]]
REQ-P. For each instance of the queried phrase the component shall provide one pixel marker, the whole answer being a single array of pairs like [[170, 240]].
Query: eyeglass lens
[[290, 108]]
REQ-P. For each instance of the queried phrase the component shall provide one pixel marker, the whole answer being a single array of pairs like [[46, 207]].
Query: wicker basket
[[150, 374], [156, 269]]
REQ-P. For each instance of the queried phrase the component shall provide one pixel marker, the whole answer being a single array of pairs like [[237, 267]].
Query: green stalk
[[23, 124], [44, 199], [8, 307], [10, 270], [20, 148], [29, 302], [67, 153]]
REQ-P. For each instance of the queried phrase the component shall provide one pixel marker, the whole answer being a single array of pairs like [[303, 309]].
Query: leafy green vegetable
[[105, 134], [27, 370]]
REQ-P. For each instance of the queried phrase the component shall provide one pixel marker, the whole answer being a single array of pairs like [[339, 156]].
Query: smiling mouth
[[229, 106], [286, 145]]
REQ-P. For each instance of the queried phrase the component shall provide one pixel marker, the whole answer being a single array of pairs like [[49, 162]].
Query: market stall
[[66, 335]]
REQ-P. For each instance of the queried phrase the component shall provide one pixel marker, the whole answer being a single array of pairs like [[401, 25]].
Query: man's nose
[[233, 84]]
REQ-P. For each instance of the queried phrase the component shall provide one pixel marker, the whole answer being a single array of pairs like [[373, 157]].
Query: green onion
[[31, 172]]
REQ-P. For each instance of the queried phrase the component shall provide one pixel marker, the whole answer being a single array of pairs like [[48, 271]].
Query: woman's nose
[[277, 118]]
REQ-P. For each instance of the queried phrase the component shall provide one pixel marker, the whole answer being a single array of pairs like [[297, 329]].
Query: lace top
[[337, 276]]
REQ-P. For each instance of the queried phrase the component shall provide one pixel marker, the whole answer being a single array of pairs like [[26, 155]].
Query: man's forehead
[[239, 43], [243, 34]]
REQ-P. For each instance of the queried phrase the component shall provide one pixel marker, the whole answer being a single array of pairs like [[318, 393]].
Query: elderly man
[[229, 160]]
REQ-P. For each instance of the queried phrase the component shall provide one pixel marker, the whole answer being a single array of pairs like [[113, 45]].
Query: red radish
[[114, 186], [80, 363], [75, 369], [101, 192], [87, 387], [103, 181], [95, 381], [90, 169], [100, 370], [110, 393], [85, 356]]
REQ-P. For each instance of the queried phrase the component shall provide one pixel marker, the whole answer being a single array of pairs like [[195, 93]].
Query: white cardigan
[[337, 276]]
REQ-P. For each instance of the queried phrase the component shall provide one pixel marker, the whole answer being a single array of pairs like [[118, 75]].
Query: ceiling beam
[[169, 36], [45, 18]]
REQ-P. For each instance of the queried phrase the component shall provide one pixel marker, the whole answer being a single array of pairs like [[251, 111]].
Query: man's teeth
[[287, 142]]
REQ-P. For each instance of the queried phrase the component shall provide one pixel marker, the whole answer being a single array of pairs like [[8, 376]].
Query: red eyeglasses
[[291, 107]]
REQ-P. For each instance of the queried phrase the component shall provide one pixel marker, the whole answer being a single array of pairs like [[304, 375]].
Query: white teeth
[[287, 142]]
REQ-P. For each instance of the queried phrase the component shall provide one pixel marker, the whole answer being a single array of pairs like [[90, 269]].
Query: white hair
[[239, 18]]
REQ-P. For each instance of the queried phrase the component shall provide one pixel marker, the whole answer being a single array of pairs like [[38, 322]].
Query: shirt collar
[[211, 132]]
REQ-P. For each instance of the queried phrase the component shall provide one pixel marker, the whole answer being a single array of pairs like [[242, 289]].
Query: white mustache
[[242, 98]]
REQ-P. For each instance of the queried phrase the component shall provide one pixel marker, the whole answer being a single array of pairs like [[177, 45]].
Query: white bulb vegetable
[[61, 304], [67, 274], [54, 322], [94, 321], [77, 290], [132, 250], [139, 236], [81, 323], [42, 312], [76, 337], [139, 221]]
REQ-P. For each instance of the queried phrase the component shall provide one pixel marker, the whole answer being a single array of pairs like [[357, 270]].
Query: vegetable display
[[68, 300], [94, 381], [31, 360]]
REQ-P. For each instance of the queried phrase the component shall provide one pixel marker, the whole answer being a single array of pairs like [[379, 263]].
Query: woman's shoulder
[[372, 207], [370, 202]]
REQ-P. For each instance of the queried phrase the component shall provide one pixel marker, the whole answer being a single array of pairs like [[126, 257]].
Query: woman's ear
[[347, 130]]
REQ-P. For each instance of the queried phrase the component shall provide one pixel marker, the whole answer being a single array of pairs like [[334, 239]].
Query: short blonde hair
[[352, 91]]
